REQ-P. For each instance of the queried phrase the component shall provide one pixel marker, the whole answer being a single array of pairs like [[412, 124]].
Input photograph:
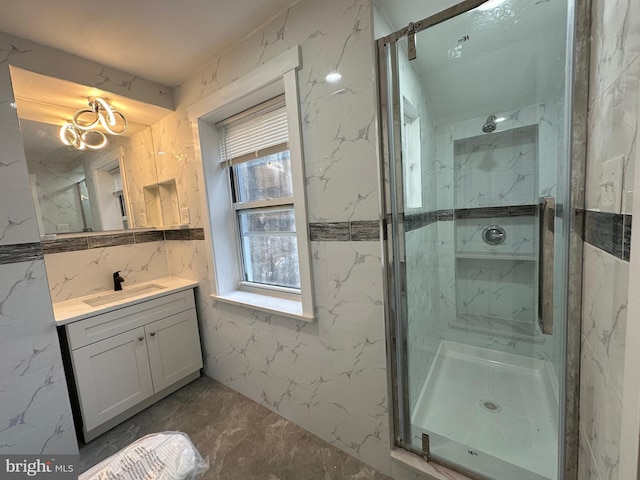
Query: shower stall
[[477, 121]]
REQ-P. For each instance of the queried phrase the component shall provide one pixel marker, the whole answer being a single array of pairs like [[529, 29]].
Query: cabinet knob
[[141, 339], [153, 334]]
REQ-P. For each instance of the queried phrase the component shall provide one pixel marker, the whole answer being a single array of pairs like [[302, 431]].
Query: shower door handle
[[546, 217]]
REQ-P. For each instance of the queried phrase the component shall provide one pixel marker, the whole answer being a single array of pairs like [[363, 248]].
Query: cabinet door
[[112, 376], [174, 348]]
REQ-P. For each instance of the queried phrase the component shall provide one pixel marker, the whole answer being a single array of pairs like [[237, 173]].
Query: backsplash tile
[[79, 273]]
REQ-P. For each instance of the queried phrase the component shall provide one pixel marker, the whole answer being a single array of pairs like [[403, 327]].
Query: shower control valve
[[494, 235]]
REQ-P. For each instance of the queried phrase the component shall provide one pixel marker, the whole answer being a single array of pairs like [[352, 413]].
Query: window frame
[[275, 77], [235, 158]]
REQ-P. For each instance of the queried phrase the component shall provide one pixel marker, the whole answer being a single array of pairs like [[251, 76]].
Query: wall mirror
[[86, 190]]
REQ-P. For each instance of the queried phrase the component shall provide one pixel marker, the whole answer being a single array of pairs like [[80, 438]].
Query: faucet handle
[[117, 281]]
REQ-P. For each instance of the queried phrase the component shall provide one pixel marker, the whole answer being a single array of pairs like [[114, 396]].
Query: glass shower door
[[477, 167]]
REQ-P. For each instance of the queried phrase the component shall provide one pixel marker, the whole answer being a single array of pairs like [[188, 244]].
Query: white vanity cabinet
[[129, 358]]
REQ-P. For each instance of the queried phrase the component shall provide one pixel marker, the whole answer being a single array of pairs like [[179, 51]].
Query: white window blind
[[256, 133], [117, 180]]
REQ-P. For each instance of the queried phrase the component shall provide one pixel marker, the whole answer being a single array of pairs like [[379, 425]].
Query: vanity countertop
[[78, 309]]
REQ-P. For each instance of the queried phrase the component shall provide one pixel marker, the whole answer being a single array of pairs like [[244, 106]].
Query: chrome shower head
[[490, 124]]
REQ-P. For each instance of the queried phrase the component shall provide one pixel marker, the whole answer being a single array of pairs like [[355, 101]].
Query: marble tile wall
[[613, 96], [500, 169], [614, 113], [139, 171], [35, 414], [328, 376], [58, 193], [546, 117], [23, 53], [461, 236]]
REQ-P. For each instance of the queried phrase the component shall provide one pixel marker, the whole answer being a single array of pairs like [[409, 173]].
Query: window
[[255, 150], [248, 135], [411, 156], [118, 192]]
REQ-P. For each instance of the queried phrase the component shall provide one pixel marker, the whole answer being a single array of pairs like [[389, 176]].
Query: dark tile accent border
[[626, 243], [445, 215], [487, 212], [505, 211], [73, 244], [606, 231], [365, 230], [143, 237], [197, 233], [524, 210], [329, 232], [65, 245], [111, 240], [356, 231], [184, 234], [419, 220], [610, 232], [177, 235], [20, 252]]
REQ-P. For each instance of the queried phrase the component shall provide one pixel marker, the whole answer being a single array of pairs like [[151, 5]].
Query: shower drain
[[490, 406]]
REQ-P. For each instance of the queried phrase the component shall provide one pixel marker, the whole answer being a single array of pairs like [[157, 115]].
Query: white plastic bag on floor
[[159, 456]]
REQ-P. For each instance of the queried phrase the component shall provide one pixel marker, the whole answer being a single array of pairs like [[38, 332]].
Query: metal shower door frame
[[393, 251]]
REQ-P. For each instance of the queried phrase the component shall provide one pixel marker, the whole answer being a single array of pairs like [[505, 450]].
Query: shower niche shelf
[[496, 177], [496, 294], [527, 257], [497, 169]]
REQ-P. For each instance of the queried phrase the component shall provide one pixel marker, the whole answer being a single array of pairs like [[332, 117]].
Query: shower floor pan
[[491, 412]]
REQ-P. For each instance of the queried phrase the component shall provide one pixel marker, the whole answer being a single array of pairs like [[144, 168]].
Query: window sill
[[266, 303]]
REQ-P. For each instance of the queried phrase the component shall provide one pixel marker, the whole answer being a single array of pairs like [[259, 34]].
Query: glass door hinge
[[412, 42], [426, 450]]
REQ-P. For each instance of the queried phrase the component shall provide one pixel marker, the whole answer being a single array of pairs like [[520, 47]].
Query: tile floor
[[242, 439]]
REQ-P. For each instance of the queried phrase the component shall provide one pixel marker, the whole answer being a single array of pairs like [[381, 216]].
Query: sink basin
[[124, 294]]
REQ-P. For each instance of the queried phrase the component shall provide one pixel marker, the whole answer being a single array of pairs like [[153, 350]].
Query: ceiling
[[166, 41], [160, 40], [401, 12]]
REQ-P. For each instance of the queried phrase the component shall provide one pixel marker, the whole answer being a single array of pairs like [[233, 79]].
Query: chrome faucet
[[117, 281]]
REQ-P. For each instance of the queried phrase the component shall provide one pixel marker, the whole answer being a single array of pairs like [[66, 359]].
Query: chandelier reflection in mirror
[[82, 132]]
